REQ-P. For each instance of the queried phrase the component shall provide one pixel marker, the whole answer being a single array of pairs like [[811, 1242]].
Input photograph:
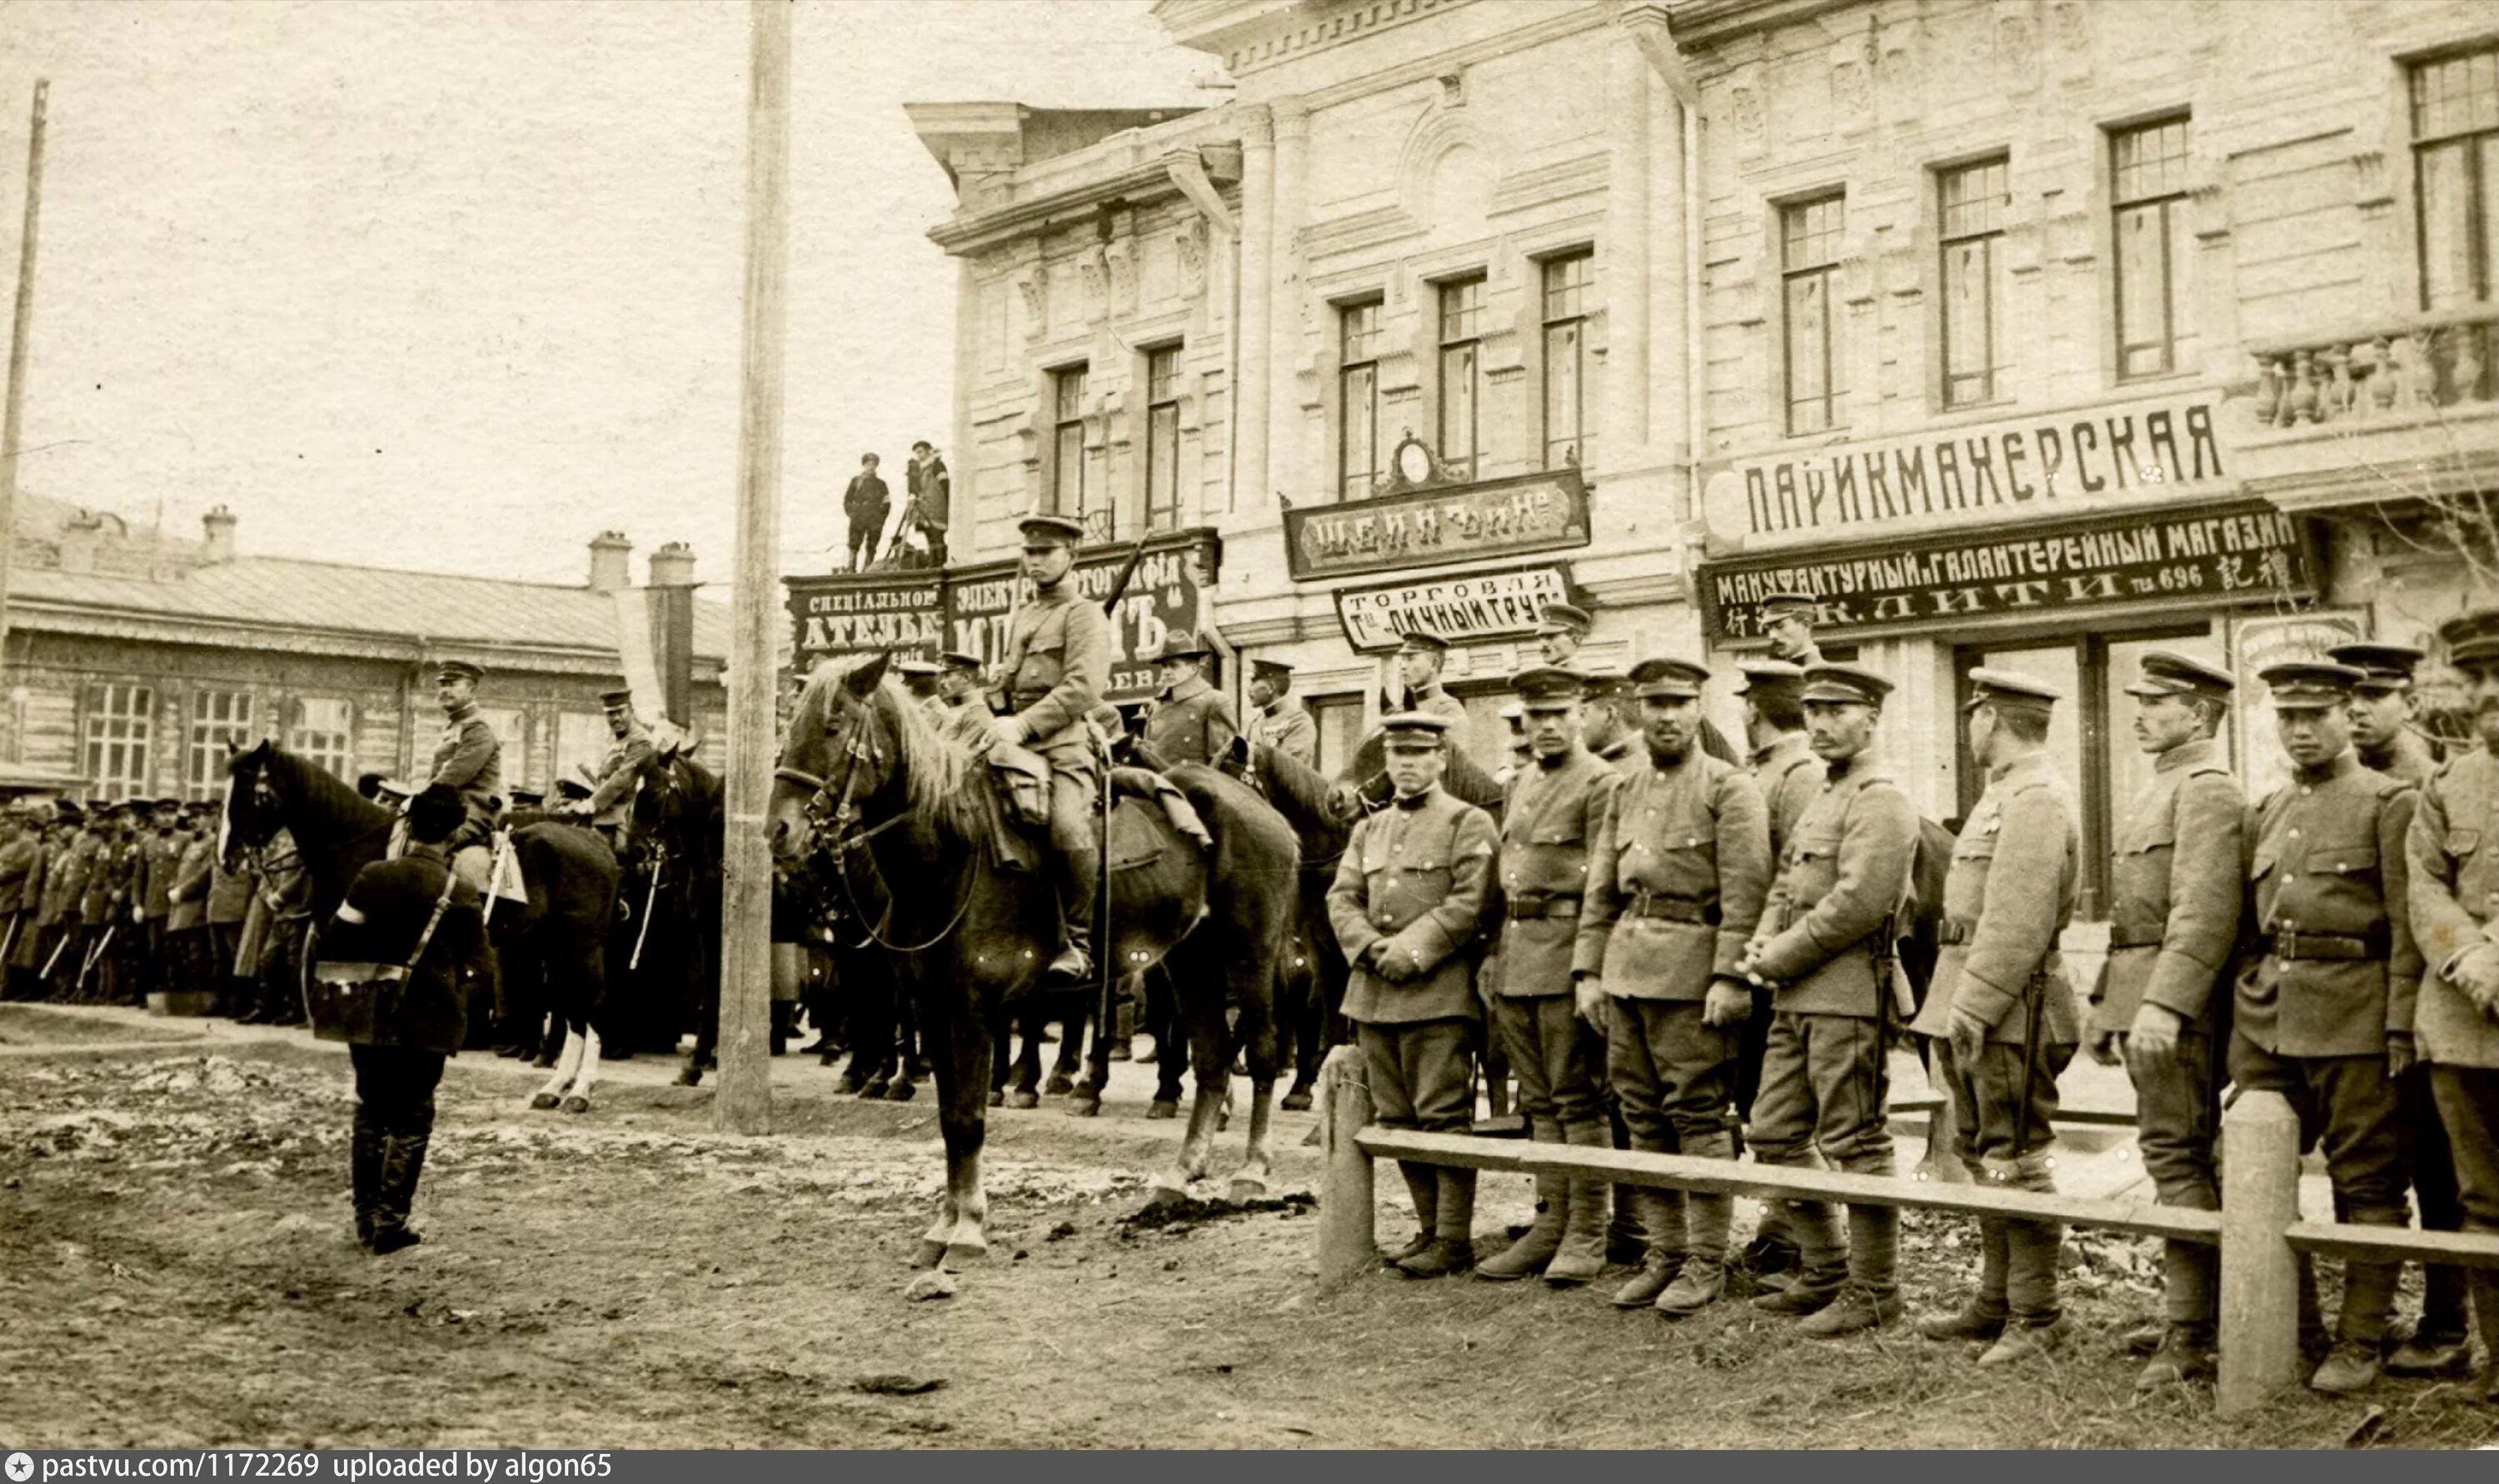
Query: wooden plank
[[2395, 1243], [1464, 1150], [2092, 1118]]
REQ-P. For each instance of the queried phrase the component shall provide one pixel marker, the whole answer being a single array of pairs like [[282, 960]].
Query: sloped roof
[[366, 600]]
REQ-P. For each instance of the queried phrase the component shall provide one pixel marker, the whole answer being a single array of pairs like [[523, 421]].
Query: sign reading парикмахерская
[[1978, 472]]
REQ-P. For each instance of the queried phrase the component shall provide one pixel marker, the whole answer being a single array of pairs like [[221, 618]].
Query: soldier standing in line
[[2176, 887], [1407, 905], [1608, 725], [1560, 630], [187, 955], [1282, 722], [2001, 1010], [101, 909], [1677, 875], [1555, 805], [1824, 954], [2452, 852], [1783, 762], [64, 907], [21, 859], [160, 856], [2383, 709], [1191, 720], [1787, 619], [2324, 1018], [1420, 657], [229, 902]]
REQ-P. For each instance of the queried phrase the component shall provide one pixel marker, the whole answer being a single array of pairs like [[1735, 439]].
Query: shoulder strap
[[442, 904]]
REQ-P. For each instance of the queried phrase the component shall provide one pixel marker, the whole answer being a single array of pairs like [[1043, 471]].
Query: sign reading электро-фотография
[[2240, 553], [1977, 472]]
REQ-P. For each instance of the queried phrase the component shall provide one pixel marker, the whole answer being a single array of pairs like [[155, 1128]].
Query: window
[[1565, 359], [2156, 326], [219, 719], [1162, 438], [1809, 257], [120, 722], [1974, 199], [2455, 153], [325, 733], [1339, 719], [1067, 441], [1357, 395], [1462, 309]]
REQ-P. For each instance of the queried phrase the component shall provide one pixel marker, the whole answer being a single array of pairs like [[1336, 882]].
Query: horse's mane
[[1300, 790], [940, 776], [318, 787]]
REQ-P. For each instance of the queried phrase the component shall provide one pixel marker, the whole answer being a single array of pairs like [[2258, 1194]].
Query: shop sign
[[1431, 527], [1464, 610], [2213, 557], [845, 615], [1982, 472]]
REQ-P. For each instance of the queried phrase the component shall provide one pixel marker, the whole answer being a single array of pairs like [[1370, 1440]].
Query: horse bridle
[[846, 840]]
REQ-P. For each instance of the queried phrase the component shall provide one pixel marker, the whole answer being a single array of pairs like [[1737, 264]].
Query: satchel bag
[[381, 1004]]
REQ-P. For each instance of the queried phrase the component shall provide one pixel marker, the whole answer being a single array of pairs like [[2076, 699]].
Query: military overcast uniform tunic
[[1192, 724], [1545, 828], [1289, 728], [2454, 858]]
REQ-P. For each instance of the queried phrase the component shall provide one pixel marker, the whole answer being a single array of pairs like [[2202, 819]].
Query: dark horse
[[680, 825], [866, 777], [559, 933], [1322, 813]]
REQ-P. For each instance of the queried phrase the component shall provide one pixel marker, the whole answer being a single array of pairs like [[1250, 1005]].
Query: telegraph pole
[[13, 422], [744, 1102]]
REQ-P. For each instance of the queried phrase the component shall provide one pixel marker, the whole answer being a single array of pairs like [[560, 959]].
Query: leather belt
[[2123, 940], [2337, 948], [1671, 909], [1533, 906]]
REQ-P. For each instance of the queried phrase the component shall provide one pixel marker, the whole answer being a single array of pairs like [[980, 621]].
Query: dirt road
[[177, 1269]]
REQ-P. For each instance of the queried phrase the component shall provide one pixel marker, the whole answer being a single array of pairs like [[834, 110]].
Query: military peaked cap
[[1269, 669], [1415, 639], [2011, 690], [1563, 618], [957, 660], [1606, 683], [616, 701], [1667, 679], [460, 669], [1848, 684], [2167, 673], [526, 798], [1794, 600], [1547, 684], [1410, 729], [2472, 638], [2382, 666], [913, 667], [1766, 674], [67, 810], [2305, 684], [1052, 530], [1185, 644]]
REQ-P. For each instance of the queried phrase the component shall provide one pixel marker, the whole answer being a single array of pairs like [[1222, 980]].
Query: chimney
[[611, 562], [673, 565], [217, 528], [80, 539]]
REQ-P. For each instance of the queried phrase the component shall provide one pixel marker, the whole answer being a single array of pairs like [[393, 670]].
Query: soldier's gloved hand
[[2477, 974], [1967, 1035], [1590, 992], [2399, 1053], [1005, 728], [2107, 1047], [1728, 1004], [1396, 968], [1752, 956], [2154, 1036]]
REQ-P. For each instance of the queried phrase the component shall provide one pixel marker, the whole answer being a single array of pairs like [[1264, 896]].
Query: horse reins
[[846, 840]]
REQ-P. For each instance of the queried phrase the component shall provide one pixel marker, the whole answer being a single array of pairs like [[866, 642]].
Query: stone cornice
[[1209, 165], [1705, 23]]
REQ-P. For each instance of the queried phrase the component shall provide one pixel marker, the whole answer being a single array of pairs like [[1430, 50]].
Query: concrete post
[[2259, 1273], [1347, 1203]]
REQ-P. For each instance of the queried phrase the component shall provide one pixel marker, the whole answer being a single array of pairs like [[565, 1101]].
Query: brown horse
[[867, 783]]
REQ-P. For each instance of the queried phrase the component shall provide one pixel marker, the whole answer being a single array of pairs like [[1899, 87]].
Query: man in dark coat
[[866, 503], [395, 912]]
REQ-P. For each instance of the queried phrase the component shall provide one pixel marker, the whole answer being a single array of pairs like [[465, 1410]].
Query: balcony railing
[[2399, 372]]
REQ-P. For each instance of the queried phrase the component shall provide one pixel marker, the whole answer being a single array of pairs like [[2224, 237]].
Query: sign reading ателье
[[2218, 555], [1972, 473]]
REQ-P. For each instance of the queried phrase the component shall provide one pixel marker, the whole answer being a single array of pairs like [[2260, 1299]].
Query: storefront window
[[2155, 256], [1339, 723], [2455, 157]]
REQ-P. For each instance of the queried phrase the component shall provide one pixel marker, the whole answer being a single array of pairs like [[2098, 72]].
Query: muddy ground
[[175, 1269]]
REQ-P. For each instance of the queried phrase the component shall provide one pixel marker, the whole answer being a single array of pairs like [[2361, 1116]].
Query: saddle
[[1020, 795]]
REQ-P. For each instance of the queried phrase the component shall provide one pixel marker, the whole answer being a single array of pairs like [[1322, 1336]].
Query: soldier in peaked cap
[[469, 758], [1821, 953], [1408, 901], [1056, 661], [1555, 805], [1609, 725], [2325, 1017], [2452, 855], [1560, 630], [1677, 874], [2001, 1011], [610, 805], [1193, 722], [1280, 721], [2176, 883], [1787, 618], [1419, 659], [2383, 710]]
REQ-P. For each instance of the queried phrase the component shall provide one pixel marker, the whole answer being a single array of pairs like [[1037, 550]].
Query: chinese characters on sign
[[2220, 555], [1968, 474], [1426, 527], [1480, 606]]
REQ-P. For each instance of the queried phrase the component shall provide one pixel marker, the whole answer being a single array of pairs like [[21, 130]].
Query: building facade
[[2020, 332], [133, 660]]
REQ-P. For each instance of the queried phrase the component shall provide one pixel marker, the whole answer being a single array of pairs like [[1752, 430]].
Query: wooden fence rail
[[2259, 1229]]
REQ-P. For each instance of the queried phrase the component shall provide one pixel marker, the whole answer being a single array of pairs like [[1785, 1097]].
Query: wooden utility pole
[[13, 422], [744, 1103]]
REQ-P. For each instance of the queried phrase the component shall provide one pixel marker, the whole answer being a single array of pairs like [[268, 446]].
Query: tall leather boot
[[1872, 1297], [1707, 1219], [2314, 1340], [1981, 1319], [1531, 1252], [2438, 1346], [1423, 1188], [1661, 1217], [364, 1173], [1582, 1253], [2034, 1320], [1452, 1250], [1626, 1239], [1079, 873], [2191, 1275], [1823, 1262], [2359, 1342], [403, 1161], [2485, 1285]]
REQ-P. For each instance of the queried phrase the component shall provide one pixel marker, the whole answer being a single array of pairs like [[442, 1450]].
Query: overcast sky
[[456, 286]]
